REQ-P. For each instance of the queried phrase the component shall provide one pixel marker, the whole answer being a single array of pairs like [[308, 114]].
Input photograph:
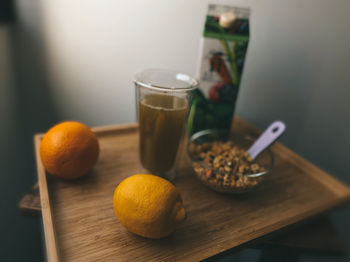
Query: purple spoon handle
[[274, 131]]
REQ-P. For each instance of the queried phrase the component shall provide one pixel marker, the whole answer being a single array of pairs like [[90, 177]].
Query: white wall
[[296, 69], [95, 48]]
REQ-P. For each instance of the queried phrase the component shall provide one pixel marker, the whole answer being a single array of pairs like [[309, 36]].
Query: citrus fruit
[[148, 205], [69, 150]]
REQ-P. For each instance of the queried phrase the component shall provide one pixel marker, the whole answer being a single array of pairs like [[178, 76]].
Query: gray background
[[75, 60]]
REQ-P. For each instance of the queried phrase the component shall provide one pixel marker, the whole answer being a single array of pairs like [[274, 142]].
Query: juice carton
[[223, 48]]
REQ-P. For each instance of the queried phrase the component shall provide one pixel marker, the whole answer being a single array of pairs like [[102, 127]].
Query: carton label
[[223, 48]]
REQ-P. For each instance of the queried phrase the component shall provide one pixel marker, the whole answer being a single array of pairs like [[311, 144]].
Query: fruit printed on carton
[[223, 48]]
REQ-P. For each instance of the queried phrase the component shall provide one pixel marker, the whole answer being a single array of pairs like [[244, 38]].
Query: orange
[[148, 205], [69, 150]]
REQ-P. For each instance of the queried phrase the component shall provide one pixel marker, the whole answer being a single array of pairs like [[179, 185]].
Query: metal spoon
[[270, 135]]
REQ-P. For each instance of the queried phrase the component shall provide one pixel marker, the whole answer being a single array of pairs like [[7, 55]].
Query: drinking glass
[[163, 99]]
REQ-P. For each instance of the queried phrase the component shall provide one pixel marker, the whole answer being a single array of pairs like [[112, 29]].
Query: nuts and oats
[[225, 166]]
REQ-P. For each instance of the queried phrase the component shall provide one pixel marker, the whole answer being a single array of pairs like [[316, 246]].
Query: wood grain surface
[[80, 224], [317, 236]]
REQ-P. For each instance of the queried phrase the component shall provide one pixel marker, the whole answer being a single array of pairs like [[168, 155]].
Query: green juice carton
[[222, 54]]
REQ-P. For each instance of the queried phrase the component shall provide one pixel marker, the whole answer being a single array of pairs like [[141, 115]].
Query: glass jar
[[163, 99]]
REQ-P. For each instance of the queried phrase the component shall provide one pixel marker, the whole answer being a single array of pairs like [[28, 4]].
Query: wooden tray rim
[[338, 188]]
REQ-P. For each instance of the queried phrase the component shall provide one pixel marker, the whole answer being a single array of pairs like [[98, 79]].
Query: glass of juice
[[163, 100]]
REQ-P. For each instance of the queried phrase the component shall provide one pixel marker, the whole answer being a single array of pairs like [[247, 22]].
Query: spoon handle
[[274, 131]]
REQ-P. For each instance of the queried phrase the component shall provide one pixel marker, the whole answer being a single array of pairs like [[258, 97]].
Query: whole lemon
[[69, 150], [148, 205]]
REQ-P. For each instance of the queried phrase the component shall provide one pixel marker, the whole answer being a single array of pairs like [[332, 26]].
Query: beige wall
[[296, 69]]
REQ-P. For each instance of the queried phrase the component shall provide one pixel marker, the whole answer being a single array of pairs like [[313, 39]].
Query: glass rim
[[186, 78]]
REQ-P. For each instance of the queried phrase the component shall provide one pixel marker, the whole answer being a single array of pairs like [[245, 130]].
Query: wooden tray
[[80, 225]]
